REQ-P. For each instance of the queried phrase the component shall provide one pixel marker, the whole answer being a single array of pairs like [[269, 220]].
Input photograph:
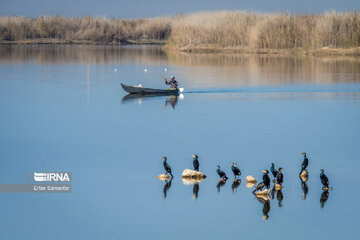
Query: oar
[[180, 89]]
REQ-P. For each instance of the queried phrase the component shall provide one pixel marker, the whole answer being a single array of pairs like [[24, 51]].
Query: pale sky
[[152, 8]]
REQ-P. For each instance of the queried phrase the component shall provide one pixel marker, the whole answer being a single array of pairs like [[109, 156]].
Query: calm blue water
[[63, 109]]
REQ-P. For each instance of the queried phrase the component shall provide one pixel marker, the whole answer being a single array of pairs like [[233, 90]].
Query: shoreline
[[54, 41], [325, 51]]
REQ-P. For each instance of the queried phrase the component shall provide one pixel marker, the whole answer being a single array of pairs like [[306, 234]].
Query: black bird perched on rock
[[324, 179], [264, 183], [235, 170], [221, 173], [196, 162], [167, 167], [273, 170], [305, 163], [266, 179], [280, 177]]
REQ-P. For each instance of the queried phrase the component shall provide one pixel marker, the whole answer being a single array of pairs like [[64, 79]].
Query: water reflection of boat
[[171, 100]]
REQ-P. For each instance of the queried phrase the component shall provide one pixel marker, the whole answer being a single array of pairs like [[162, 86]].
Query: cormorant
[[221, 173], [235, 170], [273, 170], [266, 179], [167, 186], [264, 183], [324, 179], [280, 177], [167, 167], [235, 185], [196, 162], [305, 163], [324, 197]]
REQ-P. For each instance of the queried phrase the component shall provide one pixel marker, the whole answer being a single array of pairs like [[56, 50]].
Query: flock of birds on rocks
[[262, 189]]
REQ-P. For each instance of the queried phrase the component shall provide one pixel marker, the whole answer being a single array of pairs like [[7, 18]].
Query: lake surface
[[63, 109]]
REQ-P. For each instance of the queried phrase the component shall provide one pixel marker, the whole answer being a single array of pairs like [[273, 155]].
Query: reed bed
[[236, 29], [93, 29], [216, 30]]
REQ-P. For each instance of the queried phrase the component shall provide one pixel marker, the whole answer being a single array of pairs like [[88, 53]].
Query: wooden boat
[[149, 91]]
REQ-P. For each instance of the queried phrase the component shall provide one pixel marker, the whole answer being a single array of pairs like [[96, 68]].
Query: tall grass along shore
[[91, 30], [233, 31], [257, 32]]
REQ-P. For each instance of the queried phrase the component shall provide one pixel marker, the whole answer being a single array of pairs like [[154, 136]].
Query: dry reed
[[221, 29], [94, 29], [236, 29]]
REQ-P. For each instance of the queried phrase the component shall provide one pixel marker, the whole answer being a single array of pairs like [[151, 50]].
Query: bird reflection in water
[[195, 190], [324, 197], [167, 186], [273, 192], [304, 186], [279, 195], [265, 200], [195, 183], [220, 184], [235, 185]]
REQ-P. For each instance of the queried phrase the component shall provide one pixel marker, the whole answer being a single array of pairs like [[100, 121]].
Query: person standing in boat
[[173, 83]]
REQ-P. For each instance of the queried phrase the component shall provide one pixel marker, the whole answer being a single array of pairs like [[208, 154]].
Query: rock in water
[[163, 177], [188, 173], [265, 192], [250, 179]]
